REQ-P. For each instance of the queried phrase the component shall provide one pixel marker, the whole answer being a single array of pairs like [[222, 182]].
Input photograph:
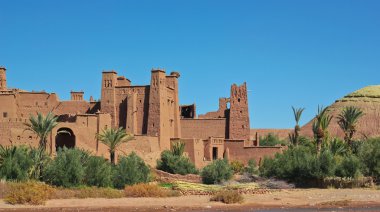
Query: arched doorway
[[64, 138]]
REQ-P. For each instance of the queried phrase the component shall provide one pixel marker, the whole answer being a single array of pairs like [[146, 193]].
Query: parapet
[[158, 70], [77, 95], [175, 74]]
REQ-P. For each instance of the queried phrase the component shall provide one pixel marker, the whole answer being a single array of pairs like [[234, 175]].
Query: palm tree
[[113, 138], [348, 120], [320, 125], [42, 127], [297, 112], [178, 148]]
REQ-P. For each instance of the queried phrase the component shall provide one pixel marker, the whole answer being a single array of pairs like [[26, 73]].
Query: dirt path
[[315, 198]]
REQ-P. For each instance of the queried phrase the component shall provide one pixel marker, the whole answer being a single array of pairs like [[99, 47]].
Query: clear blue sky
[[300, 53]]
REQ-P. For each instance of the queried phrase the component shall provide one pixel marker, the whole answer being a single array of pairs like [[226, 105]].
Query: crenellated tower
[[108, 101], [3, 79], [239, 127]]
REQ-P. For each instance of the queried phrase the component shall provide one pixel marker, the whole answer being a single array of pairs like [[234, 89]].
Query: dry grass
[[148, 190], [3, 189], [87, 192], [228, 197], [33, 193], [185, 186]]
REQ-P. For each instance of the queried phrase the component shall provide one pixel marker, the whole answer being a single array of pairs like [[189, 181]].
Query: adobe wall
[[12, 132], [203, 128], [132, 107], [237, 151], [194, 148], [146, 147]]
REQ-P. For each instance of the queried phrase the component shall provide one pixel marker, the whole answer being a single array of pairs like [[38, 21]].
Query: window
[[5, 115], [215, 153]]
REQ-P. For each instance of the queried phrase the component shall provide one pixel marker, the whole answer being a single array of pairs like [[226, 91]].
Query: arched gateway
[[65, 138]]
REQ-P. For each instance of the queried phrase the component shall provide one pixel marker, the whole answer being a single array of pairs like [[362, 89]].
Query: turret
[[107, 104], [239, 128], [77, 95], [3, 79]]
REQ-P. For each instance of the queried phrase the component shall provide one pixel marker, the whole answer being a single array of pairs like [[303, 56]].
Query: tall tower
[[107, 102], [158, 113], [239, 128], [3, 79]]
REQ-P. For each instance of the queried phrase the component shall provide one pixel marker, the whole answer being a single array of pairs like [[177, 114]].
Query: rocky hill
[[368, 99]]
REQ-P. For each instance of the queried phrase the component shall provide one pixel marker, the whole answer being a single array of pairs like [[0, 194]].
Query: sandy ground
[[297, 198]]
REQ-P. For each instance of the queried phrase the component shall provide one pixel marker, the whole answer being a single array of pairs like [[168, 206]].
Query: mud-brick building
[[151, 113]]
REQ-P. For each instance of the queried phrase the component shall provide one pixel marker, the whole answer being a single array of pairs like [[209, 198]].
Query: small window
[[215, 153], [5, 115], [238, 99]]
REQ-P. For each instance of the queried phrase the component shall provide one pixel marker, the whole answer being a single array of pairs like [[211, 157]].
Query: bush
[[299, 164], [237, 166], [228, 197], [98, 172], [67, 169], [33, 193], [175, 164], [15, 163], [131, 170], [216, 172], [369, 155], [349, 167], [88, 192], [148, 190], [252, 168]]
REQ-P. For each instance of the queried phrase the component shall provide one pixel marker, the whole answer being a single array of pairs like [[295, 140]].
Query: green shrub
[[67, 169], [15, 163], [149, 190], [252, 168], [175, 164], [237, 166], [369, 155], [298, 164], [216, 172], [131, 170], [178, 148], [39, 159], [271, 140], [228, 197], [350, 166], [98, 172], [33, 193]]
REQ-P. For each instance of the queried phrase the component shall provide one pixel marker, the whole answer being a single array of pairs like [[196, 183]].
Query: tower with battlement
[[3, 79], [108, 101], [239, 127]]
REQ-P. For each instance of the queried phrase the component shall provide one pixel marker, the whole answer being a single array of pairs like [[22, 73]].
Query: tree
[[294, 138], [320, 125], [113, 138], [42, 127], [348, 120]]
